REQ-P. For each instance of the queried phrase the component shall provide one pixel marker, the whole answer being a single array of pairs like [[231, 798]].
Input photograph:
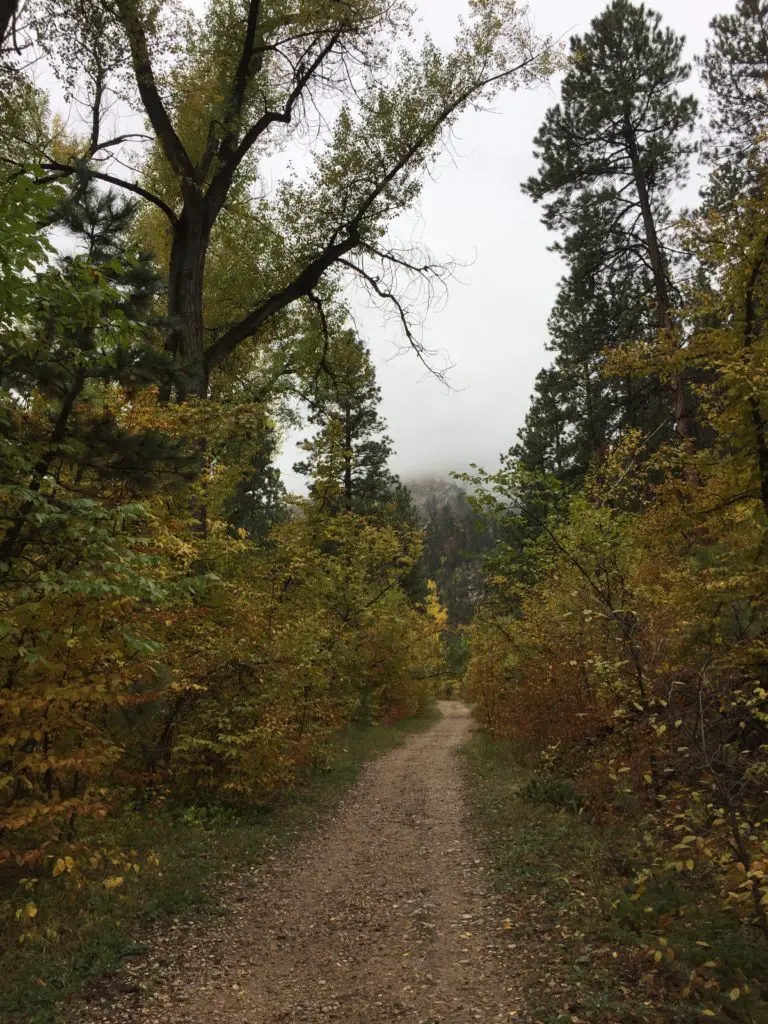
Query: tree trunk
[[685, 422], [655, 255], [186, 340], [8, 11]]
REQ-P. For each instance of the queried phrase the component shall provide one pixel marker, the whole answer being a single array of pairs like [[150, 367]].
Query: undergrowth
[[584, 950], [88, 933]]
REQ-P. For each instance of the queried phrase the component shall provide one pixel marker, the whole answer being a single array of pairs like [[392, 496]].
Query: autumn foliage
[[622, 640], [151, 652]]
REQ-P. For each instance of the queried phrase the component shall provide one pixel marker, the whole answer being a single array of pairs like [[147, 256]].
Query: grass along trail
[[380, 915]]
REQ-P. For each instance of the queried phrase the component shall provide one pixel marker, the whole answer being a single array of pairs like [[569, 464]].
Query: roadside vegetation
[[620, 647], [196, 852], [582, 946], [180, 638], [182, 642]]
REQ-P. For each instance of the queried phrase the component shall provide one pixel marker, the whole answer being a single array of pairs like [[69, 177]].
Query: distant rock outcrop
[[455, 540]]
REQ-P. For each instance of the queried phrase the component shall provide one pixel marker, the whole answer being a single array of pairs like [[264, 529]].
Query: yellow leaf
[[113, 883], [734, 994]]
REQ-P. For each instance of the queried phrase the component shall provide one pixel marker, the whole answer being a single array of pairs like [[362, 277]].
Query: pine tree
[[87, 325], [347, 457], [735, 71], [543, 439], [257, 502], [612, 152], [578, 410]]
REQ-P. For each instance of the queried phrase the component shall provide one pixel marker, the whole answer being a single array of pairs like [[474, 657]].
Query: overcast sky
[[493, 325]]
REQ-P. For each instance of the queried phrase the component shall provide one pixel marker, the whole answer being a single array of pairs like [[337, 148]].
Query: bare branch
[[381, 290], [65, 170], [231, 160], [119, 140], [299, 288]]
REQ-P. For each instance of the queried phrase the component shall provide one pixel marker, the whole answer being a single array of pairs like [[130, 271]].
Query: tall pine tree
[[348, 455], [610, 155], [577, 409], [735, 71]]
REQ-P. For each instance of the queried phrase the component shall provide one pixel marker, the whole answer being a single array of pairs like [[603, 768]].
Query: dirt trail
[[378, 916]]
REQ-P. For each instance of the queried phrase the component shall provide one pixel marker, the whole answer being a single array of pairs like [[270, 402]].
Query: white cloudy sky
[[493, 326]]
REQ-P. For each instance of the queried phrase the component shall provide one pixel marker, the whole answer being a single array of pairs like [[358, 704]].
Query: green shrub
[[554, 791]]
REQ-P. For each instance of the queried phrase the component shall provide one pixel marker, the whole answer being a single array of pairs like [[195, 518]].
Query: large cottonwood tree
[[223, 93]]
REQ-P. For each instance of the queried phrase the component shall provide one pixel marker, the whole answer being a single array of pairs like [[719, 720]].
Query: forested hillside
[[456, 538], [621, 645]]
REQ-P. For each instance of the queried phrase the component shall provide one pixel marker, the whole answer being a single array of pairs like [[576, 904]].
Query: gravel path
[[378, 916]]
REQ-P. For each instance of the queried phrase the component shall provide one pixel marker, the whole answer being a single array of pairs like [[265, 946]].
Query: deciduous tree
[[248, 79]]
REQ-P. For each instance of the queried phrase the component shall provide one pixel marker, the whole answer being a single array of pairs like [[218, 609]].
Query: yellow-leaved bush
[[160, 653], [152, 650]]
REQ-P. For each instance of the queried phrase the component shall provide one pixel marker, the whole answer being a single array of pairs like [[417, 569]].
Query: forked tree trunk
[[8, 11]]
